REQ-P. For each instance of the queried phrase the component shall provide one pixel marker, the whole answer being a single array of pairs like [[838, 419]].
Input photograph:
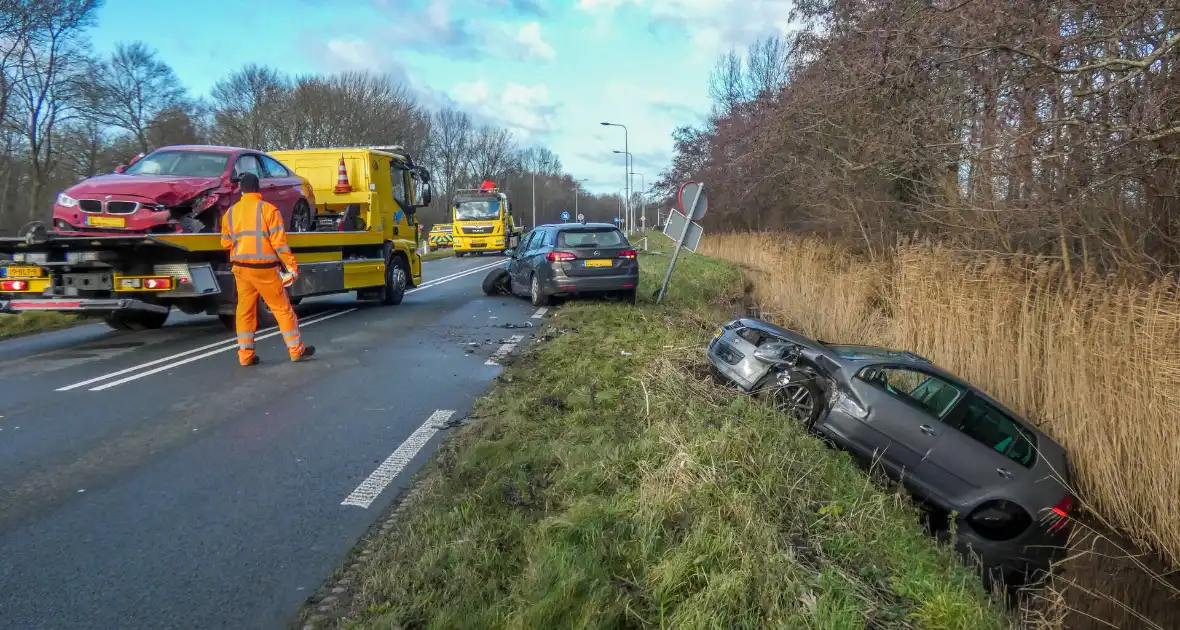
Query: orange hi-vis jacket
[[252, 230]]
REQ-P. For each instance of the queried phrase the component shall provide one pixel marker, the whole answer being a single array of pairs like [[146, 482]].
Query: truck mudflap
[[80, 305]]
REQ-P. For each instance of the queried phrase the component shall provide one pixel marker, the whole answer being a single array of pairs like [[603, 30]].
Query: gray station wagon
[[958, 450]]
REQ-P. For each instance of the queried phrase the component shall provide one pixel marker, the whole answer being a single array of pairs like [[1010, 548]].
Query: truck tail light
[[14, 285], [628, 253], [161, 283], [557, 256]]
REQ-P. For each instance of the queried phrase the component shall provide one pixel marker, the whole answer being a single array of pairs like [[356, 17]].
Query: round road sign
[[687, 193], [581, 218], [565, 216]]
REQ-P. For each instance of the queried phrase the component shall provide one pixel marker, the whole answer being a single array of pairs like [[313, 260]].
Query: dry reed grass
[[1095, 363]]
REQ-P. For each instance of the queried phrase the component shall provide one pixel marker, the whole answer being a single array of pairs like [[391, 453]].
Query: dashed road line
[[503, 351], [540, 312], [372, 487]]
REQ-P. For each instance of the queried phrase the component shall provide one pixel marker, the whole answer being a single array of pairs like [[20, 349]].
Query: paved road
[[146, 481]]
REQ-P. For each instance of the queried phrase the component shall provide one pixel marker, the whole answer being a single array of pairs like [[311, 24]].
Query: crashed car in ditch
[[954, 447], [179, 189]]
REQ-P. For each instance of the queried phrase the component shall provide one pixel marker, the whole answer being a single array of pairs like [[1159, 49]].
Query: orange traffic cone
[[342, 185]]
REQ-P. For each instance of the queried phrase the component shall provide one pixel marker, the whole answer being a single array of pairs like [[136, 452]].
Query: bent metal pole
[[689, 213]]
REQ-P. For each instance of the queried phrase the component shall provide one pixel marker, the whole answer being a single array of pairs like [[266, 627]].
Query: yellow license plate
[[22, 272], [599, 262], [116, 222], [720, 331]]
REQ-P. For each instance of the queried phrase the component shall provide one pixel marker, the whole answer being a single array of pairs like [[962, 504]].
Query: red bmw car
[[179, 189]]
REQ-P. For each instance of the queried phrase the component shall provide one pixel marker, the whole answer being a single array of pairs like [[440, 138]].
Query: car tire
[[631, 297], [302, 219], [536, 293], [496, 282], [137, 320], [780, 397], [396, 279]]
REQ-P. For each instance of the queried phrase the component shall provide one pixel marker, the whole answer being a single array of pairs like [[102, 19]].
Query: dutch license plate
[[598, 262], [13, 271], [114, 222], [720, 331]]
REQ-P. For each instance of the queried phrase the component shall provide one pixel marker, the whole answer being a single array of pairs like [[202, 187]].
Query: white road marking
[[540, 312], [198, 357], [504, 350], [232, 343], [133, 368], [372, 487]]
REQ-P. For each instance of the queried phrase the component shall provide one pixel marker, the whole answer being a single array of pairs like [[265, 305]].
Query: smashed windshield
[[477, 210], [181, 164]]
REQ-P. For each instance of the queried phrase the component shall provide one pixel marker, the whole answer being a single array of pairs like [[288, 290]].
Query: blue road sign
[[565, 216], [616, 219]]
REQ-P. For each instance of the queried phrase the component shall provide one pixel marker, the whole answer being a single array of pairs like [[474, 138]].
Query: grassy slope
[[437, 254], [34, 322], [608, 484]]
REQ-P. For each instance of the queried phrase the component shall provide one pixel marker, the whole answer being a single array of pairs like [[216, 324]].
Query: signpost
[[565, 216], [581, 218], [682, 227]]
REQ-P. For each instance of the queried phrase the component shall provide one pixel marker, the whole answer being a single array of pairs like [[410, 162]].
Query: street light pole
[[642, 199], [626, 149], [630, 159], [534, 174], [577, 184]]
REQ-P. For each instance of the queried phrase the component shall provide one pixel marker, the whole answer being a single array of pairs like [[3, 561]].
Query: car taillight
[[14, 285], [628, 253], [1062, 510], [556, 256]]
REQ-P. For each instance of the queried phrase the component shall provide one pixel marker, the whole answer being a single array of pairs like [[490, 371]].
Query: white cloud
[[714, 26], [529, 37], [526, 110]]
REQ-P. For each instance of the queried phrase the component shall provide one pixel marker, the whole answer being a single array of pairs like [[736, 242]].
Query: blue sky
[[549, 70]]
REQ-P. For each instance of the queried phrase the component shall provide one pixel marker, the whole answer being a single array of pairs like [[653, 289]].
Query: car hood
[[161, 189]]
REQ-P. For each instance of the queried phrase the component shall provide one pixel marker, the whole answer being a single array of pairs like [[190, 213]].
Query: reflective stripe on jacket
[[252, 230]]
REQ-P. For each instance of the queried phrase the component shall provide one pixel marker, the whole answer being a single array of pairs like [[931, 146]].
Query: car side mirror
[[120, 168], [235, 178], [772, 352]]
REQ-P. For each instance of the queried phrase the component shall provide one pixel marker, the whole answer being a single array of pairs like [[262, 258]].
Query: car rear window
[[591, 238]]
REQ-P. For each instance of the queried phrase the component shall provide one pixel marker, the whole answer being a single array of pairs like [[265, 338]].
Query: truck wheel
[[460, 254], [136, 320], [395, 283], [229, 321]]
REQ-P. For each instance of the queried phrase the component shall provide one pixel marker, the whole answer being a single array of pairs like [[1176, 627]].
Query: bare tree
[[492, 153], [133, 87], [453, 139], [48, 79], [247, 105]]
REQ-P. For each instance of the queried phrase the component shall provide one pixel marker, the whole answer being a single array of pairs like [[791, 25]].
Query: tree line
[[993, 125], [69, 114]]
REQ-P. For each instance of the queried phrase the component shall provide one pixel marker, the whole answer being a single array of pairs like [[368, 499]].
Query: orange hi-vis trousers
[[252, 282]]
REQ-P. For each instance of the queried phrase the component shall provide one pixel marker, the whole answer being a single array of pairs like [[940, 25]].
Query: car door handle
[[1005, 473], [928, 430]]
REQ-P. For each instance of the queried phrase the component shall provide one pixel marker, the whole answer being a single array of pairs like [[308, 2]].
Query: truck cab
[[482, 221]]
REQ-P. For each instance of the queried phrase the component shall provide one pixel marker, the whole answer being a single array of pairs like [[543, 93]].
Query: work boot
[[308, 352], [254, 360]]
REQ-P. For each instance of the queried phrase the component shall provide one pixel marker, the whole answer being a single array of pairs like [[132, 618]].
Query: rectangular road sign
[[675, 227]]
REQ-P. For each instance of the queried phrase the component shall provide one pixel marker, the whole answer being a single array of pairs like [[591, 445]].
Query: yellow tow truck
[[482, 221], [441, 235], [365, 239]]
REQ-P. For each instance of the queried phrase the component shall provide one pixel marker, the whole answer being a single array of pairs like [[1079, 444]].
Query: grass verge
[[22, 324], [606, 483], [438, 254]]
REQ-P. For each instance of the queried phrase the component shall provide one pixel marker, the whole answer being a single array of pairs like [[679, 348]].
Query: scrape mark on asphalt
[[372, 487], [508, 347]]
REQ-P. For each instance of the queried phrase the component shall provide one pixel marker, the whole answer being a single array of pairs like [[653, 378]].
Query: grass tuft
[[34, 322]]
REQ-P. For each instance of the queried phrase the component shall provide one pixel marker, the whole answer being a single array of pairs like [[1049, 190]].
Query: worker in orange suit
[[252, 230]]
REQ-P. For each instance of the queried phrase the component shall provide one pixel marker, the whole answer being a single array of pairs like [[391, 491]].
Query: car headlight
[[66, 201]]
